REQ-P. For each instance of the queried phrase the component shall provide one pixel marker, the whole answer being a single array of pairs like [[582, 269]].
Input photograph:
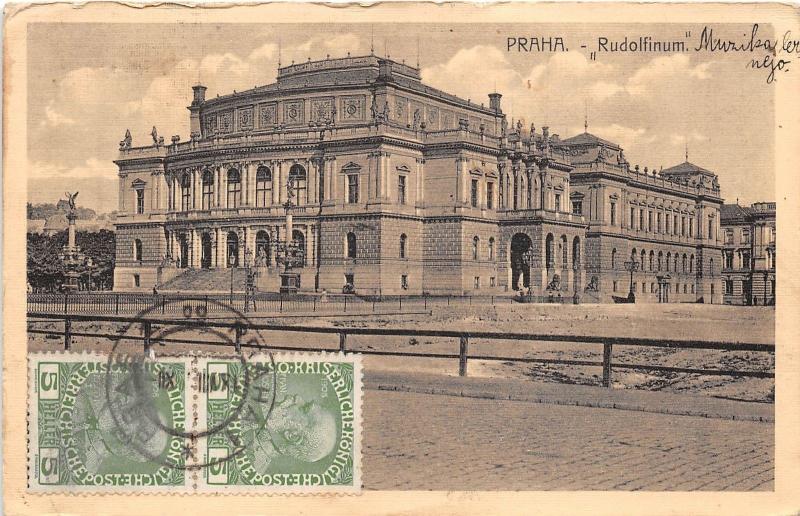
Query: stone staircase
[[206, 280]]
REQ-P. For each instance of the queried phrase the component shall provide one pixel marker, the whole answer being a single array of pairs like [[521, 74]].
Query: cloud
[[665, 70], [55, 119], [691, 136], [91, 168]]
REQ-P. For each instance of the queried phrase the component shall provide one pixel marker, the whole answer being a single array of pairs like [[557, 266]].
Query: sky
[[88, 83]]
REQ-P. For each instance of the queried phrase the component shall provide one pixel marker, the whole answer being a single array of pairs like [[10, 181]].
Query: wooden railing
[[148, 338]]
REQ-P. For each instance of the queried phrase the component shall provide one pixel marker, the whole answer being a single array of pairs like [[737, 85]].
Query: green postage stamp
[[263, 423]]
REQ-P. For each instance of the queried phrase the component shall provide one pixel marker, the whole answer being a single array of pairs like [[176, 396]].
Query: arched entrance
[[183, 244], [233, 250], [521, 246], [262, 249], [205, 251], [300, 239]]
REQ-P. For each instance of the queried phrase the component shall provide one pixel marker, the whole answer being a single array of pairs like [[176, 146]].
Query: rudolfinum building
[[400, 188]]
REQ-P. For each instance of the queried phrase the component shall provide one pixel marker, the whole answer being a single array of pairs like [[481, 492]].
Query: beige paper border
[[783, 500]]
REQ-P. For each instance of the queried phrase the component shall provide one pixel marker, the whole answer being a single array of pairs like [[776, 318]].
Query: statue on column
[[71, 201]]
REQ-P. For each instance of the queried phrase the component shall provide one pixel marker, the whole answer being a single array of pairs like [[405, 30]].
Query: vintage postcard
[[547, 234]]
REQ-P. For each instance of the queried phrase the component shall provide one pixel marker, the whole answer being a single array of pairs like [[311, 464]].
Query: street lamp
[[527, 259], [631, 266]]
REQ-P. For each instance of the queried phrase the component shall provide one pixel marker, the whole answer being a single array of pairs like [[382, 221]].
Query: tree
[[46, 271]]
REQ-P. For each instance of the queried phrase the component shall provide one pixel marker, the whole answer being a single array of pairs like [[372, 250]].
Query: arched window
[[576, 253], [614, 258], [660, 260], [711, 266], [683, 265], [652, 257], [208, 190], [669, 257], [642, 256], [234, 188], [491, 249], [186, 192], [299, 179], [548, 251], [675, 263], [475, 243], [352, 246], [403, 240], [137, 250], [263, 187], [691, 264], [564, 252]]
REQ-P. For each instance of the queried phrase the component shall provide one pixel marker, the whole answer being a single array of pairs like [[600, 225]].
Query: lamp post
[[527, 259], [631, 266], [290, 281]]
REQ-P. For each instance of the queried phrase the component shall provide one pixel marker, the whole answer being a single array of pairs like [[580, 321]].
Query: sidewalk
[[567, 394]]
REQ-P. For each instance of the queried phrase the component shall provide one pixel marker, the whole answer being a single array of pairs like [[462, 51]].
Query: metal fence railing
[[239, 329]]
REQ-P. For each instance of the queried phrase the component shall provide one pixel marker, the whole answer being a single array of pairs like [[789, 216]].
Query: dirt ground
[[674, 321]]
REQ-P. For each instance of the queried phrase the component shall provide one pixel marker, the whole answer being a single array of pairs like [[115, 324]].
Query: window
[[477, 282], [577, 207], [669, 257], [642, 257], [649, 221], [352, 188], [691, 263], [660, 260], [490, 195], [137, 250], [652, 288], [558, 202], [404, 281], [491, 249], [633, 286], [614, 258], [299, 181], [675, 263], [576, 253], [692, 288], [403, 240], [548, 249], [683, 226], [633, 217], [564, 252], [683, 267], [186, 192], [136, 281], [208, 190], [474, 193], [675, 225], [613, 214], [641, 219], [728, 236], [401, 189], [652, 255], [684, 288], [660, 228], [492, 281], [352, 248], [745, 236], [711, 228], [727, 260], [139, 201], [615, 285], [668, 225], [234, 188], [691, 228], [475, 243], [729, 287], [644, 287], [745, 259], [263, 187]]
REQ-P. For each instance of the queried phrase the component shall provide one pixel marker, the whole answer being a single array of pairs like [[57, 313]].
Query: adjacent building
[[400, 188], [749, 253]]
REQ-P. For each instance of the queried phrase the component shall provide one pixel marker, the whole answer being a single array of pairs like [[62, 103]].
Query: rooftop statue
[[126, 142]]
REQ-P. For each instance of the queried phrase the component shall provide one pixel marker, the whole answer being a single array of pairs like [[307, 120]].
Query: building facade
[[400, 188], [749, 245]]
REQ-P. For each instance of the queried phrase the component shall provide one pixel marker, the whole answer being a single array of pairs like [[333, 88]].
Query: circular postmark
[[147, 398]]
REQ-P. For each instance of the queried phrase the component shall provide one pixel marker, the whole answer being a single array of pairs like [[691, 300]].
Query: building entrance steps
[[569, 394], [207, 280]]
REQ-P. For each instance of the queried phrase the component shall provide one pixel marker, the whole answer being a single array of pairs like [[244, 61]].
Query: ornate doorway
[[205, 251], [233, 249], [521, 253], [183, 245]]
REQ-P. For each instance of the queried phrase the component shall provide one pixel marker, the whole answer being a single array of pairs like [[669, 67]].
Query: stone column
[[420, 194], [388, 191], [217, 186], [282, 183], [223, 175]]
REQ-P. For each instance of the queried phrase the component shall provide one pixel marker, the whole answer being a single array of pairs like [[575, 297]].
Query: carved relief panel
[[267, 116], [432, 118], [293, 112], [245, 119], [401, 109], [210, 125], [226, 122], [352, 108], [322, 110]]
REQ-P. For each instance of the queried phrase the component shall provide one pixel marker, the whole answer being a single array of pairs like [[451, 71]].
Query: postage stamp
[[261, 423], [298, 429], [78, 442]]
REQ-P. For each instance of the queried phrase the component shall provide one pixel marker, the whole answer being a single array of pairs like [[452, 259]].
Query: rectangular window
[[675, 225], [558, 202], [728, 263], [683, 226], [691, 228], [615, 285], [477, 282], [745, 236], [577, 207], [658, 222], [474, 193], [668, 226], [711, 229], [729, 287], [491, 281], [136, 280], [140, 201], [633, 217], [401, 189], [644, 287], [641, 219], [649, 221], [728, 236], [404, 281], [613, 214], [490, 195], [745, 259], [352, 188]]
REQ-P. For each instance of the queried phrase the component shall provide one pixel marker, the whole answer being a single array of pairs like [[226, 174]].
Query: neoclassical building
[[400, 188], [749, 246]]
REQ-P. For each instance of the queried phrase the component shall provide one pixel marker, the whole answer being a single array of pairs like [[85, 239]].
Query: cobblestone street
[[421, 441]]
